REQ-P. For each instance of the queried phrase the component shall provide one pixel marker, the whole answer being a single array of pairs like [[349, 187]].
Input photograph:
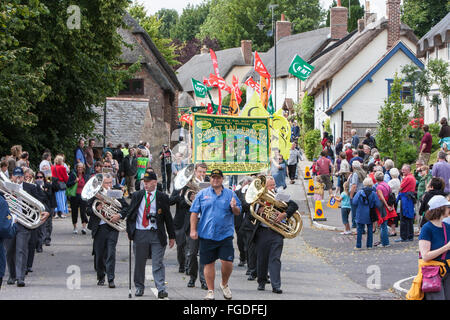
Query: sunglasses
[[39, 177]]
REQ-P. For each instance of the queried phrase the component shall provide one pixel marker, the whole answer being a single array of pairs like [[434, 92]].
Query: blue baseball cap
[[18, 171]]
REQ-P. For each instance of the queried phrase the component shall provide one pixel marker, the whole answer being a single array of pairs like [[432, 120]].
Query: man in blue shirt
[[217, 207], [355, 139]]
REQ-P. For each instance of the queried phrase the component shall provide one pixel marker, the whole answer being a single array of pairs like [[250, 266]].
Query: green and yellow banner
[[235, 145]]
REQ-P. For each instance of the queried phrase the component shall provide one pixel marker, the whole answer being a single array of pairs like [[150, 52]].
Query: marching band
[[206, 218]]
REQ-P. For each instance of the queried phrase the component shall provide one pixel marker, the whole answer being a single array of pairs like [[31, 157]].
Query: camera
[[151, 217]]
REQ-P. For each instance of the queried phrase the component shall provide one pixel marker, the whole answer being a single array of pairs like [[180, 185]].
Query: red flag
[[252, 84], [237, 91], [260, 68], [216, 71]]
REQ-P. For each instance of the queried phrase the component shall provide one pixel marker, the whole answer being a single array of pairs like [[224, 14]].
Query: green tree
[[356, 12], [152, 25], [229, 23], [421, 15], [21, 84], [82, 68], [188, 25], [169, 19], [393, 120]]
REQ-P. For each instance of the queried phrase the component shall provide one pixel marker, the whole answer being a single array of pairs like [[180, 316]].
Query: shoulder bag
[[431, 279]]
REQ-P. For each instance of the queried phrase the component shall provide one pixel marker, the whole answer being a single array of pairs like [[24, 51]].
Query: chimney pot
[[283, 18], [204, 49], [361, 25], [339, 3]]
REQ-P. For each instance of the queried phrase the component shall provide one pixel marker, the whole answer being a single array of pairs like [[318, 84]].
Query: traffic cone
[[310, 187], [307, 173], [319, 214]]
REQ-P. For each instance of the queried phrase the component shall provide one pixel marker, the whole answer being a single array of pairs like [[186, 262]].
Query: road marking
[[397, 284], [149, 277]]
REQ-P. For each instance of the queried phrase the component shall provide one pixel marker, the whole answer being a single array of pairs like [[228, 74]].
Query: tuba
[[186, 178], [257, 193], [26, 208], [111, 206]]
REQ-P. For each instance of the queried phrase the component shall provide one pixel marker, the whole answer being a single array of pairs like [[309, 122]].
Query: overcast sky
[[377, 6]]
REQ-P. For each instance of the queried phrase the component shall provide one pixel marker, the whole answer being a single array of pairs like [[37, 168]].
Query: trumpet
[[26, 208], [257, 193], [111, 206]]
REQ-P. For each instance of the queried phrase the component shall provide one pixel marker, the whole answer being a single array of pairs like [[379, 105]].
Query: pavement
[[316, 265], [397, 264]]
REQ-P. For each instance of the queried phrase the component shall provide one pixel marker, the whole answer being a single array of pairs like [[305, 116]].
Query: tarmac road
[[313, 267]]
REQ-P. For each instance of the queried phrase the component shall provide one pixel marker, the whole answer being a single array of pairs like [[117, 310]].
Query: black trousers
[[166, 172], [32, 245], [105, 242], [75, 204], [406, 228], [269, 246], [291, 170], [241, 245], [250, 249], [192, 262], [180, 239]]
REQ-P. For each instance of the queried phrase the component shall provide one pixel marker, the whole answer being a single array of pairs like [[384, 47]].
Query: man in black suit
[[129, 170], [105, 237], [269, 245], [148, 218], [17, 247]]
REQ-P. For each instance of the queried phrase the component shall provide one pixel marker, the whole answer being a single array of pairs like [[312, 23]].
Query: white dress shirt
[[139, 225]]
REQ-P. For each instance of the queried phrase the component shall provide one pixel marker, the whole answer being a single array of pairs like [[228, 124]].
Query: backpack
[[391, 198]]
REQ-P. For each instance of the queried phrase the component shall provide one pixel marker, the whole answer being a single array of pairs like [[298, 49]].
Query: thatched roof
[[161, 71], [305, 44], [437, 36], [200, 66], [332, 62]]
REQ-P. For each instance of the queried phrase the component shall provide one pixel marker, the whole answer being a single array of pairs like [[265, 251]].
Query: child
[[313, 167], [318, 189], [345, 208]]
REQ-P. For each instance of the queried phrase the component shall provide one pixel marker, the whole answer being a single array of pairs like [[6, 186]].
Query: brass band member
[[269, 245], [148, 218], [105, 237], [17, 247]]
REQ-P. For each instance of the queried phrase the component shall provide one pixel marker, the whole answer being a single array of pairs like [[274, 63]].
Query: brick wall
[[338, 22], [393, 16]]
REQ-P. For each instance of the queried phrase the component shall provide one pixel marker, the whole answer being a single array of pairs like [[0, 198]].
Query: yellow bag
[[415, 292]]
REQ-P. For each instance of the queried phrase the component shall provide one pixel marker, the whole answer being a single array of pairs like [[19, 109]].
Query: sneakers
[[83, 231], [346, 232], [385, 246], [75, 231], [209, 295], [226, 291]]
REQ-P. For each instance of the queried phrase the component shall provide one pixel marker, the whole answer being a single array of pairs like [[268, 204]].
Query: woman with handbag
[[60, 174], [434, 247], [78, 177]]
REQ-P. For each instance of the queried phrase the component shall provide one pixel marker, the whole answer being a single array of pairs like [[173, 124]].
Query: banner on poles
[[300, 68], [234, 145]]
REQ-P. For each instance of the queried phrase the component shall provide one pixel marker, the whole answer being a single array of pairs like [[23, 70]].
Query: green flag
[[300, 68], [270, 107], [199, 88]]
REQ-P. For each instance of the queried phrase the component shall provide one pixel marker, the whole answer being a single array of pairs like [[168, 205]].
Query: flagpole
[[274, 31]]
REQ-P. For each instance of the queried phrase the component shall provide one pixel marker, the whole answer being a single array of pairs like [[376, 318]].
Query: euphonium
[[111, 206], [26, 208], [258, 193], [186, 178]]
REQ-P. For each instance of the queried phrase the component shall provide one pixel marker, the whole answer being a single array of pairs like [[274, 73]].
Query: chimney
[[338, 21], [393, 16], [361, 25], [204, 49], [247, 53], [283, 28]]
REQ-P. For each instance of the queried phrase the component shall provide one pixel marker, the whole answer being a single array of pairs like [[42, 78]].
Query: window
[[133, 87], [323, 97], [328, 94], [437, 52], [448, 51], [407, 93]]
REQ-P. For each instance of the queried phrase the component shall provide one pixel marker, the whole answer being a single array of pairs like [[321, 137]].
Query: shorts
[[211, 250], [326, 181]]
